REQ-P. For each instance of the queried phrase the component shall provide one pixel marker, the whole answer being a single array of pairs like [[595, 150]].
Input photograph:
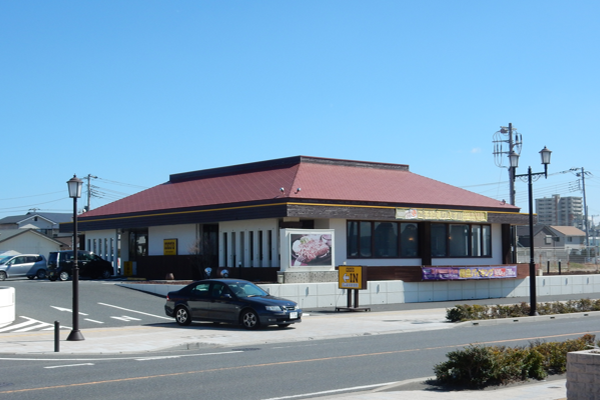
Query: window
[[461, 240], [373, 239]]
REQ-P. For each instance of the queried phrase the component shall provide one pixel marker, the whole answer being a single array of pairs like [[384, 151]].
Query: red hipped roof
[[301, 178]]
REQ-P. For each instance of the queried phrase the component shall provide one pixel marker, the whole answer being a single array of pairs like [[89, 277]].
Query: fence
[[570, 259]]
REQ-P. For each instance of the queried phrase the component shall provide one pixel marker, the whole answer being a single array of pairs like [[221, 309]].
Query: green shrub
[[479, 366], [467, 312]]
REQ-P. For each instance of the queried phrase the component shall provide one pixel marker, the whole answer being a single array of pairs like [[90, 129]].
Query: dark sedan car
[[233, 301]]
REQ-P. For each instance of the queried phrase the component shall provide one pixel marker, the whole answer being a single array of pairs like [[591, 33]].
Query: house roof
[[568, 230], [56, 218], [300, 178], [8, 234]]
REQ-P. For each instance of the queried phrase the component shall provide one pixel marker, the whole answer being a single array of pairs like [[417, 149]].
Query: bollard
[[548, 267], [559, 272], [56, 336]]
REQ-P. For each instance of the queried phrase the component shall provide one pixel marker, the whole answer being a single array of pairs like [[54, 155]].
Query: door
[[18, 266], [199, 301], [223, 307]]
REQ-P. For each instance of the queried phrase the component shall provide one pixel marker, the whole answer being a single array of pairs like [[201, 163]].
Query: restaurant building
[[296, 219]]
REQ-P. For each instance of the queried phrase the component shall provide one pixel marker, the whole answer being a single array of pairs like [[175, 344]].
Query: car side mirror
[[227, 296]]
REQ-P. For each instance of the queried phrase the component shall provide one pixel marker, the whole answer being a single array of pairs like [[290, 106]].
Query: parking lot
[[39, 303]]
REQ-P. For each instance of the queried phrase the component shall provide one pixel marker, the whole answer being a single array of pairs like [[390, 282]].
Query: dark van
[[60, 265]]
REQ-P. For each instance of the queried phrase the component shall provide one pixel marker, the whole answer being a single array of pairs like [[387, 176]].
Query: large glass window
[[438, 240], [458, 240], [461, 240], [409, 240], [374, 239]]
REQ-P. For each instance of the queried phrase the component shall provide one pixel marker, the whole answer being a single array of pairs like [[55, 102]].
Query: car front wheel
[[250, 320], [182, 316], [105, 274], [41, 274], [2, 275]]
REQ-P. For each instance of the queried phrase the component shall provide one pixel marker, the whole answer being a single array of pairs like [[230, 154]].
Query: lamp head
[[74, 185], [545, 153]]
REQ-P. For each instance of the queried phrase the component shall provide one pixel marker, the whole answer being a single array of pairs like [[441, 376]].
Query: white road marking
[[113, 358], [66, 309], [92, 320], [72, 365], [134, 311], [11, 327], [331, 391], [126, 318]]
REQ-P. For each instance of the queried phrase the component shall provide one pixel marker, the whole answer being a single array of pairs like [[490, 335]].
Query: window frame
[[484, 240], [355, 243]]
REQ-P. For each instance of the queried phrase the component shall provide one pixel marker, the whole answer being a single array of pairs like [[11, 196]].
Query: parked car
[[233, 301], [29, 265], [60, 265]]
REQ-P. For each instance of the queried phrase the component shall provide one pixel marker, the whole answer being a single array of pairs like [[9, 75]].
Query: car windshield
[[4, 259], [242, 289]]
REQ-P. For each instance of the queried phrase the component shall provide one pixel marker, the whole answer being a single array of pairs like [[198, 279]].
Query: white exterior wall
[[105, 244], [30, 243], [238, 243], [186, 236]]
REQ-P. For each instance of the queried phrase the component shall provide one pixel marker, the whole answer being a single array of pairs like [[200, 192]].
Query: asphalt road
[[263, 371], [102, 304]]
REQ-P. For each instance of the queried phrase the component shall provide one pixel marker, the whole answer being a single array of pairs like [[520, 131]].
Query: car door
[[199, 301], [18, 266], [223, 306]]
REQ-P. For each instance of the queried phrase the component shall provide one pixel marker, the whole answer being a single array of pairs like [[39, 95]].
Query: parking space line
[[134, 311], [11, 327]]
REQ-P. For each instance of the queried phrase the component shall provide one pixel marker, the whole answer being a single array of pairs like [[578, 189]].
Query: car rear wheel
[[250, 320], [2, 275], [182, 316], [63, 276], [41, 274]]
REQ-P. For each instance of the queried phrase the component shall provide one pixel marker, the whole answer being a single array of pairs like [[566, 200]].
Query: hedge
[[467, 312], [480, 366]]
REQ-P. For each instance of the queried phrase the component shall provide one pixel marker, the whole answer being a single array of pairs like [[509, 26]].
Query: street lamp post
[[74, 185], [514, 161]]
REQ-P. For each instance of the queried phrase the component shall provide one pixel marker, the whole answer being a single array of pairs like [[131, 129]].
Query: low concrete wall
[[327, 294], [583, 375], [7, 305]]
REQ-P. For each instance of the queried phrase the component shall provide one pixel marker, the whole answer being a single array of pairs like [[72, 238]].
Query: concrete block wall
[[583, 375], [327, 294], [7, 305]]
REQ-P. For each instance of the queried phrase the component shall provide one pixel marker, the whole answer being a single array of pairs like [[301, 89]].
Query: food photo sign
[[308, 249]]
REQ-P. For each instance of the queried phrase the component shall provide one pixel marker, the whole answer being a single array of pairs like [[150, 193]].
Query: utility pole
[[89, 190], [514, 146], [582, 175]]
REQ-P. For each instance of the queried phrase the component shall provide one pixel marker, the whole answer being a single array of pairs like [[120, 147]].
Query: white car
[[29, 265]]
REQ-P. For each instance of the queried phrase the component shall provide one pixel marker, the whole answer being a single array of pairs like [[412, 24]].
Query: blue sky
[[133, 91]]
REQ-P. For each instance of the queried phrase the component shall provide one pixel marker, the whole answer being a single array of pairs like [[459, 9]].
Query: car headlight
[[273, 308]]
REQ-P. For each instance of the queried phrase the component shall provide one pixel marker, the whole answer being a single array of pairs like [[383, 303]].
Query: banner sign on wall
[[426, 214], [475, 272]]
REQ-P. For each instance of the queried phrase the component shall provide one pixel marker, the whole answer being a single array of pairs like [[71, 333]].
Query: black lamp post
[[75, 185], [514, 162]]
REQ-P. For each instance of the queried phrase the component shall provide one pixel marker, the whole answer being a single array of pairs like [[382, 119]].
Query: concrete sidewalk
[[315, 326]]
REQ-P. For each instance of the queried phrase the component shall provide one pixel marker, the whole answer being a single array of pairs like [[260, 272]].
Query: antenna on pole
[[514, 144], [89, 190]]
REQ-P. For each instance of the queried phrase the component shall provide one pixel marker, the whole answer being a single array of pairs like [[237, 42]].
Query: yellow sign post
[[353, 279]]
